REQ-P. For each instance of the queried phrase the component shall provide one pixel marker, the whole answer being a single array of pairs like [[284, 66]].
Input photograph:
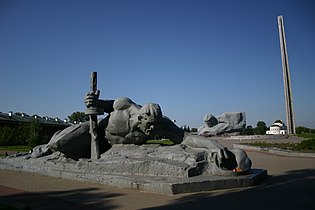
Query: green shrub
[[306, 145]]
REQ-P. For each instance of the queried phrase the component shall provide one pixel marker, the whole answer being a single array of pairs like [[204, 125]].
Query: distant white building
[[278, 127]]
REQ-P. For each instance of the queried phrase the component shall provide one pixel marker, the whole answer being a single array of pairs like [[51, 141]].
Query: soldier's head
[[149, 116], [210, 120]]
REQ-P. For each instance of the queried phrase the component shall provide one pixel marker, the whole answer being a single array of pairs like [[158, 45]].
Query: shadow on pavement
[[292, 190], [88, 198]]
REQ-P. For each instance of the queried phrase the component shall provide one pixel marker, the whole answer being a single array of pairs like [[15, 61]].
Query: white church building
[[278, 127]]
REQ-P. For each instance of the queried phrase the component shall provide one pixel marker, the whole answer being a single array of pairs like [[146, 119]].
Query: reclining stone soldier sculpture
[[130, 123], [228, 122]]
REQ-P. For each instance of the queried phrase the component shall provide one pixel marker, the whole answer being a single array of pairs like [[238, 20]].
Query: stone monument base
[[166, 170]]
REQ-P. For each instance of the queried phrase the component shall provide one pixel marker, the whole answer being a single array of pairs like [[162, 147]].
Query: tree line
[[260, 129], [30, 134], [33, 134], [303, 130]]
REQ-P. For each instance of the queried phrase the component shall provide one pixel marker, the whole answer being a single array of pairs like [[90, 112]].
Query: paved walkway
[[291, 185]]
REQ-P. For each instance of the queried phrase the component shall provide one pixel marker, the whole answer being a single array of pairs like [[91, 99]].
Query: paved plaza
[[290, 185]]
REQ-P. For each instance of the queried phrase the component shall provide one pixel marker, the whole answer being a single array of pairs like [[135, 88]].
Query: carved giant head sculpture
[[149, 116]]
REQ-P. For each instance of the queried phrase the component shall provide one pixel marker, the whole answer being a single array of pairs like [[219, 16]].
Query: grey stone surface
[[228, 122], [151, 168], [155, 160]]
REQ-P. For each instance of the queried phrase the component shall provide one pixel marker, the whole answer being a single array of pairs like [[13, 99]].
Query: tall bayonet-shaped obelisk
[[286, 79]]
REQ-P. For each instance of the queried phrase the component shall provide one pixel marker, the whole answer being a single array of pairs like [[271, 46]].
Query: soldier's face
[[211, 122], [147, 124]]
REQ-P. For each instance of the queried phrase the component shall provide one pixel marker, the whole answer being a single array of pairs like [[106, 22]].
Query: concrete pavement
[[290, 186]]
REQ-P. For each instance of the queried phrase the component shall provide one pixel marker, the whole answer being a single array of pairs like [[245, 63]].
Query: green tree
[[78, 117], [6, 135], [35, 136], [194, 129], [261, 128], [22, 134], [248, 130], [301, 130]]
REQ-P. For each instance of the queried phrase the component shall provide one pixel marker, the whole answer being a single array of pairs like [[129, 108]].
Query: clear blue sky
[[191, 56]]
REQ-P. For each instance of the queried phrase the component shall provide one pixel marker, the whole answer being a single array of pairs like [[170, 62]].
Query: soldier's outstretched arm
[[224, 157]]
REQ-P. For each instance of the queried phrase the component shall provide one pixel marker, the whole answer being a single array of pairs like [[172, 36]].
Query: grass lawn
[[20, 148], [5, 150], [303, 146], [161, 142], [307, 135]]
